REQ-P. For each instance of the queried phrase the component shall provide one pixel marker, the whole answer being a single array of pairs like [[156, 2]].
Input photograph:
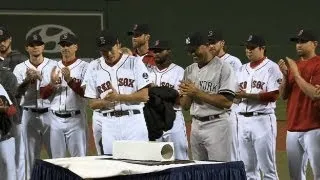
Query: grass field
[[282, 166]]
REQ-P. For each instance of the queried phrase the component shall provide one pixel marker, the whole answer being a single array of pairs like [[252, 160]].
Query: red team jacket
[[303, 114]]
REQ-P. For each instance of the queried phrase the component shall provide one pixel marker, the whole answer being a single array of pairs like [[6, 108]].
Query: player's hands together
[[112, 96], [188, 88], [33, 75], [283, 67], [241, 94], [293, 67], [55, 79], [66, 74]]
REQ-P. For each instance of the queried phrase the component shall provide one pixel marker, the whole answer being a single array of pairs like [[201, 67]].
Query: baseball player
[[35, 124], [209, 95], [258, 89], [96, 120], [68, 123], [140, 43], [118, 89], [8, 60], [299, 88], [218, 45], [168, 74], [7, 145]]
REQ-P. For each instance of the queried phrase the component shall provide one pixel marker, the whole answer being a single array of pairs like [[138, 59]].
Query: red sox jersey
[[32, 96], [65, 99], [216, 77], [169, 77], [266, 77], [127, 76]]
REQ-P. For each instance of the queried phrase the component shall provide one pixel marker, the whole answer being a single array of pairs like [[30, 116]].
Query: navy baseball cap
[[68, 38], [160, 45], [4, 34], [106, 40], [34, 38], [255, 41], [215, 36], [305, 35], [196, 39], [139, 29]]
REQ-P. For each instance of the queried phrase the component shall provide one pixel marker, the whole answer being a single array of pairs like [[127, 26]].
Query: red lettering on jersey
[[126, 82], [104, 87], [257, 84], [243, 85]]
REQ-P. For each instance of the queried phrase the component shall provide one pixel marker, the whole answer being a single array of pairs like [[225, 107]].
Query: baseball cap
[[255, 41], [139, 29], [304, 35], [34, 38], [196, 39], [68, 38], [106, 40], [4, 33], [160, 45], [215, 36]]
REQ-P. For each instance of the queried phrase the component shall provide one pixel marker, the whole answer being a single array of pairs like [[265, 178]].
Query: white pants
[[257, 144], [130, 127], [68, 133], [300, 145], [235, 153], [97, 131], [35, 131], [7, 159], [177, 135]]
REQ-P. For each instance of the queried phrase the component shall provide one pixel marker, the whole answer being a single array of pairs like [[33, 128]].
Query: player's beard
[[4, 49]]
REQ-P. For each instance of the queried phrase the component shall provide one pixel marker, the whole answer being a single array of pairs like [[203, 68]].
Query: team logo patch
[[135, 27], [102, 40], [65, 36], [156, 43], [1, 32], [279, 81], [300, 32], [210, 33], [35, 37], [250, 38], [187, 40], [145, 75]]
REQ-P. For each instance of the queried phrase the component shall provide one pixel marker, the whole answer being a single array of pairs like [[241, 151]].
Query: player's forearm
[[216, 100], [22, 88], [284, 88], [263, 97], [307, 88], [99, 104], [47, 91], [76, 87], [185, 102], [139, 96]]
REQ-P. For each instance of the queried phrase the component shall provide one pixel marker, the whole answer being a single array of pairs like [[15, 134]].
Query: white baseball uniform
[[96, 120], [67, 115], [35, 122], [211, 131], [7, 150], [124, 121], [235, 64], [171, 77], [257, 120]]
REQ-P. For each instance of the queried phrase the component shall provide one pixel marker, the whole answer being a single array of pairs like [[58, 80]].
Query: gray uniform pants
[[211, 140]]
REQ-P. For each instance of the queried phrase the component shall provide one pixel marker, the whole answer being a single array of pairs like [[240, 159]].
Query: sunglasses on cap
[[34, 44], [251, 47], [66, 44]]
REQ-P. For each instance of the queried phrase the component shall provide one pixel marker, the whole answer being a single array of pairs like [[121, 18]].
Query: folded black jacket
[[159, 112]]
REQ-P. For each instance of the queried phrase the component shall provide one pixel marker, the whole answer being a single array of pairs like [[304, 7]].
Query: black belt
[[121, 113], [207, 118], [35, 110], [66, 114], [250, 114]]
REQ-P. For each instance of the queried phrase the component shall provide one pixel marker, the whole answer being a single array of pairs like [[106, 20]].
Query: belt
[[66, 114], [121, 113], [207, 118], [250, 114], [35, 110]]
